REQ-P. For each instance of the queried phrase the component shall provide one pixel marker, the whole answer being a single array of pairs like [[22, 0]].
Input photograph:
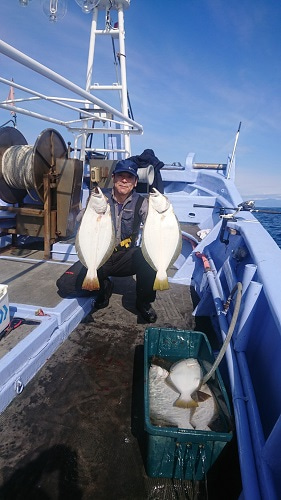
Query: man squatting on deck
[[128, 209]]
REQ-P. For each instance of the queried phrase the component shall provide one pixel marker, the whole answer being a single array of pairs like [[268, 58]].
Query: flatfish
[[185, 377], [95, 238], [161, 240]]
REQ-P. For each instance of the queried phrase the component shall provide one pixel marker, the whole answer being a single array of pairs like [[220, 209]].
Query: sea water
[[271, 222]]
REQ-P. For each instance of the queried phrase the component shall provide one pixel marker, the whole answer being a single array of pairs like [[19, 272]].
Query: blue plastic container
[[174, 452]]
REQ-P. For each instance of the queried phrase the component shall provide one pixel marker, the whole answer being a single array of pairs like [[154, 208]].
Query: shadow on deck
[[76, 432]]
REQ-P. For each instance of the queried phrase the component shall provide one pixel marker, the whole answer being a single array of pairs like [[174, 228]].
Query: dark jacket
[[148, 158], [128, 217]]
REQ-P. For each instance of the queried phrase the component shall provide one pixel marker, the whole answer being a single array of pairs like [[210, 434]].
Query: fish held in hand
[[95, 238], [185, 377], [161, 240]]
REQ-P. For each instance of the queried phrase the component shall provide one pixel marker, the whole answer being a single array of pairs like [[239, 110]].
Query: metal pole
[[47, 216], [27, 61], [89, 77], [124, 90], [91, 49]]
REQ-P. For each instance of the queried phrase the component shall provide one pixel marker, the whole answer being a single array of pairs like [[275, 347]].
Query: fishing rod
[[233, 152], [247, 206]]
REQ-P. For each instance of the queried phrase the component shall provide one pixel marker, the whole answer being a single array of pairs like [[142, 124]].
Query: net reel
[[22, 167], [48, 176]]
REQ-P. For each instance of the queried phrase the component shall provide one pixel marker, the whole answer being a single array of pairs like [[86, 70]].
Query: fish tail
[[161, 282], [91, 284], [183, 403]]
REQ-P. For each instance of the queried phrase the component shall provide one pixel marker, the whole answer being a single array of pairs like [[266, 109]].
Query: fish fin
[[182, 403], [110, 249], [178, 248], [146, 256], [78, 250], [202, 396], [170, 384], [91, 284], [161, 283]]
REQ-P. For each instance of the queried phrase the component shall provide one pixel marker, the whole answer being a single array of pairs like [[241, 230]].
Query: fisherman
[[128, 210]]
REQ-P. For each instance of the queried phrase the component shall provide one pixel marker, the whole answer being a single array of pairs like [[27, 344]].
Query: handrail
[[113, 121], [34, 65]]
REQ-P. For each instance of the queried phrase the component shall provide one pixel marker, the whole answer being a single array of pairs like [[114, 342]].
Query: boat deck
[[77, 429]]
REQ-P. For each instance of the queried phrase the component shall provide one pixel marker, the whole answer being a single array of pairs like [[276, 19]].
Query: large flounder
[[161, 240], [95, 239]]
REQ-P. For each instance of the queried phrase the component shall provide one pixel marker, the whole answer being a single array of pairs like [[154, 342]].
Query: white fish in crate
[[163, 411], [185, 377]]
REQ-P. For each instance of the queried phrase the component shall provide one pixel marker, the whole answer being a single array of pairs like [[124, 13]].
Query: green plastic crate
[[175, 452]]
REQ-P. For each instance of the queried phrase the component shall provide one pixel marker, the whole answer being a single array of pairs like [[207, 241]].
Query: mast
[[116, 145]]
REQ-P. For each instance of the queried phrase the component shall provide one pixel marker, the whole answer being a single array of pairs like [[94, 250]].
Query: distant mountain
[[265, 202]]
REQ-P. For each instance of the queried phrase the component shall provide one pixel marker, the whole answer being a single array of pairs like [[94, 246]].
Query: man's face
[[124, 183]]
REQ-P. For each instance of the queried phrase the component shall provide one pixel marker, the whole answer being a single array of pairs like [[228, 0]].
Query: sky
[[195, 70]]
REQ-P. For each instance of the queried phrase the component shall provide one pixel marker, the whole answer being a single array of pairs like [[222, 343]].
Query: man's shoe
[[103, 297], [146, 311]]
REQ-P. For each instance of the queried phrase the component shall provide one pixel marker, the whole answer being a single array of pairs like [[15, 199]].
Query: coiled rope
[[17, 167]]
